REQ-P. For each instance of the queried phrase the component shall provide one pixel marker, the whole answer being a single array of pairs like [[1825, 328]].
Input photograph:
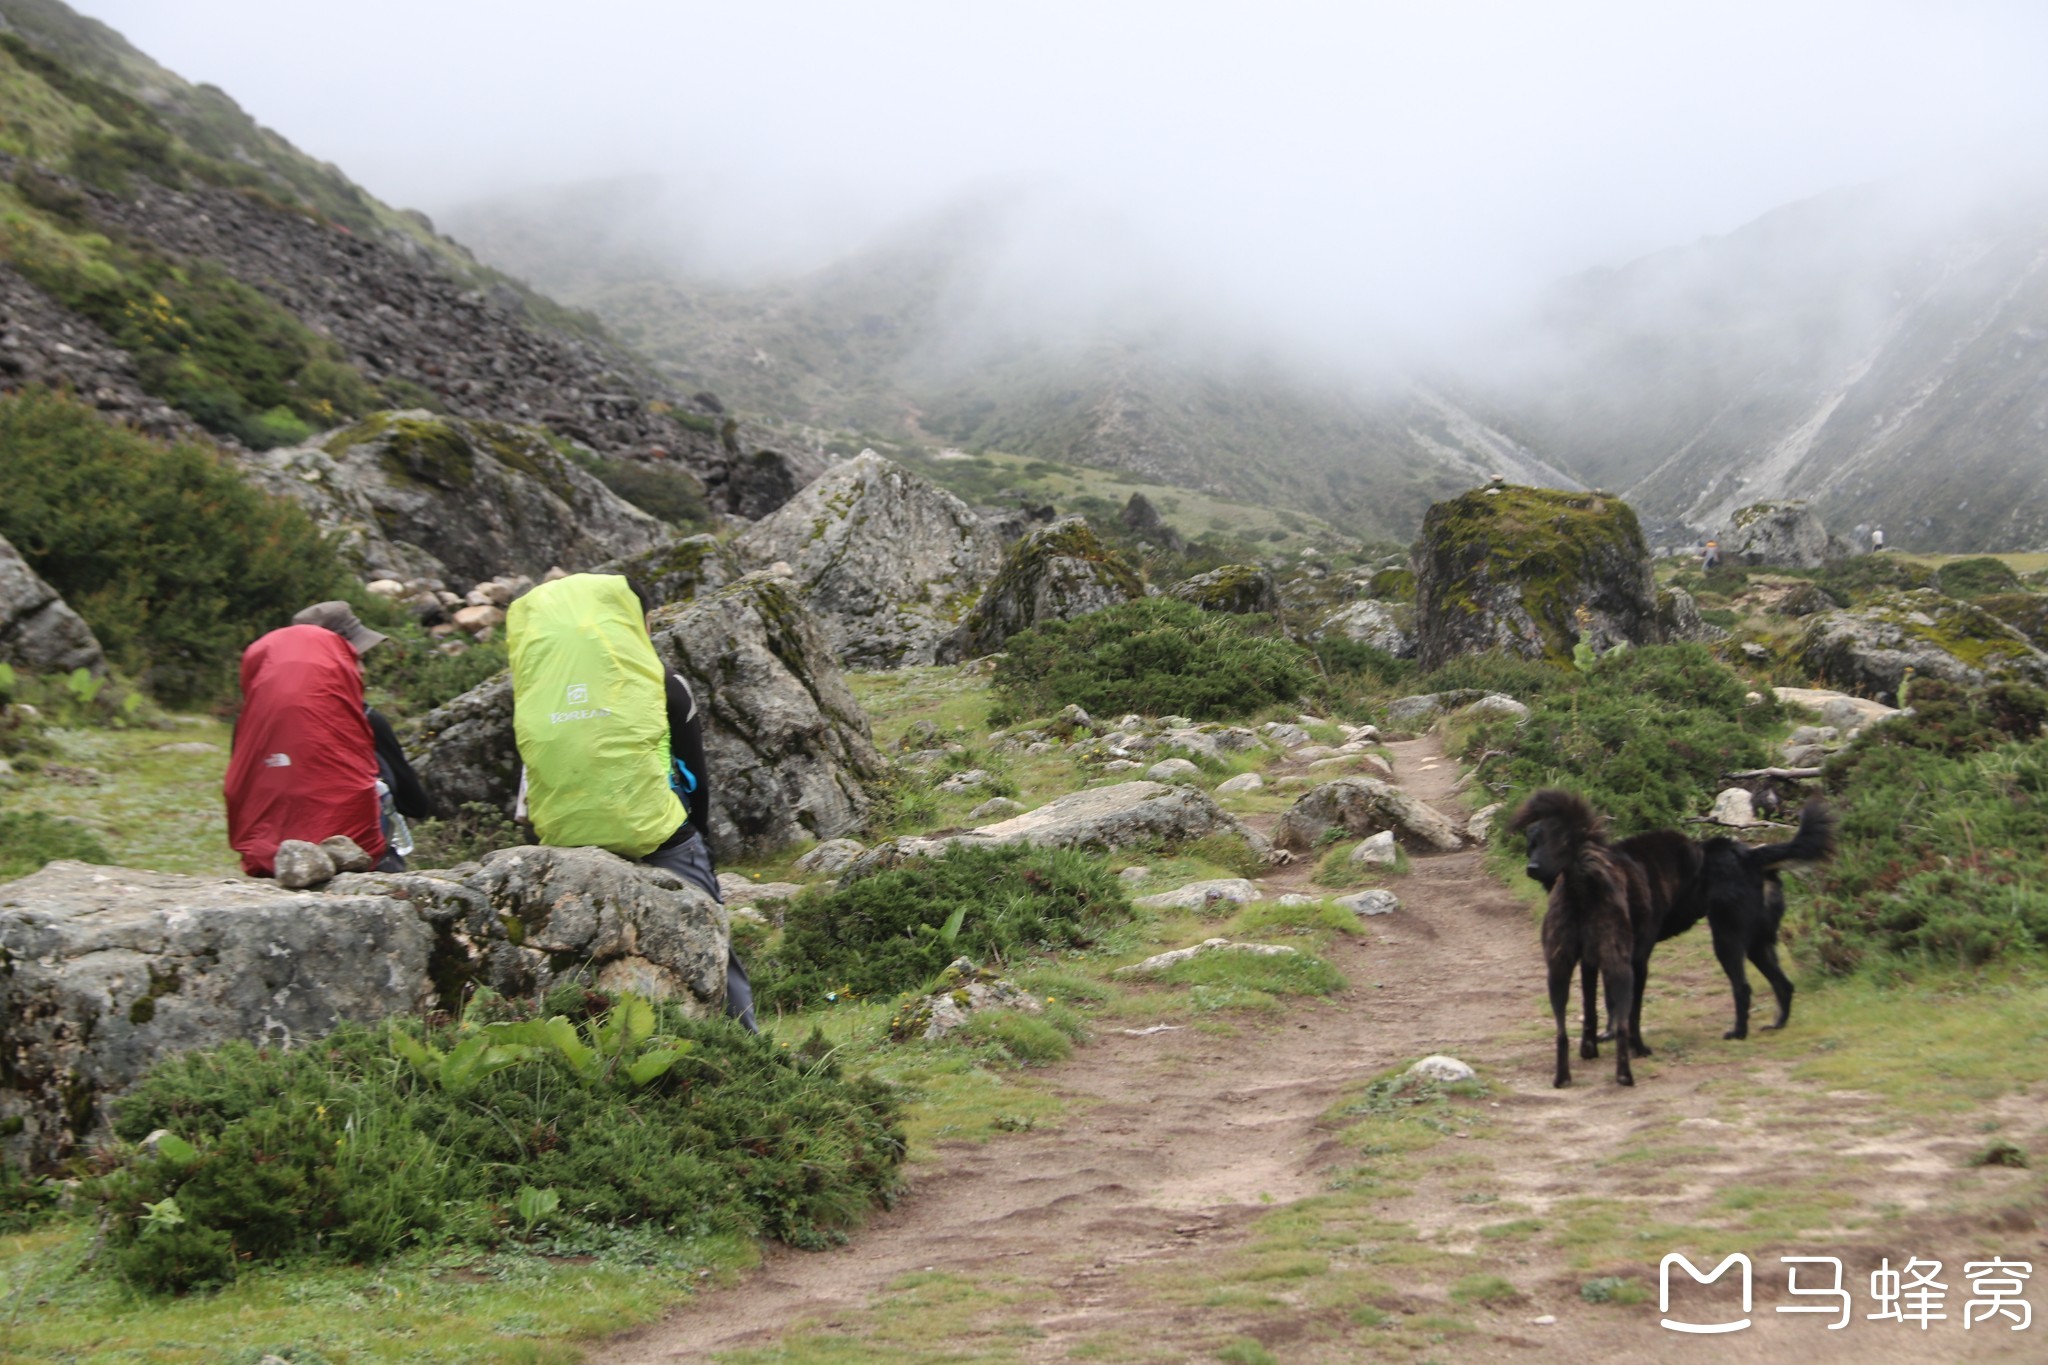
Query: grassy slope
[[1336, 1254]]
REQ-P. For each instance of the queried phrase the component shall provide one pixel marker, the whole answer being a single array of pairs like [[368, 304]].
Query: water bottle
[[396, 833]]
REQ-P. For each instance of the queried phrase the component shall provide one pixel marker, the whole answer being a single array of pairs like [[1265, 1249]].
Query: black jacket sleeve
[[406, 792], [686, 741]]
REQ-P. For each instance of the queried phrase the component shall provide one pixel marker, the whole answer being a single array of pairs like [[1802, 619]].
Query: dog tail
[[1814, 842]]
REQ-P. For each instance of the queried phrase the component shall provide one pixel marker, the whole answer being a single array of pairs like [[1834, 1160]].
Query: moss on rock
[[1531, 571]]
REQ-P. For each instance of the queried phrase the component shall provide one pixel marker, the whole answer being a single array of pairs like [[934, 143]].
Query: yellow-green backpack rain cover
[[590, 713]]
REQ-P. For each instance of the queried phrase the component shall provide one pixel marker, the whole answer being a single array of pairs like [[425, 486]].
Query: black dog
[[1732, 886], [1737, 890], [1593, 891]]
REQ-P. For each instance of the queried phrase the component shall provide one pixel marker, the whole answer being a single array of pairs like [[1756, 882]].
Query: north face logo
[[578, 692]]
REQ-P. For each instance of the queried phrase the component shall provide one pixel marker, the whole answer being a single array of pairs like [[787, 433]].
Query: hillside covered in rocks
[[191, 273]]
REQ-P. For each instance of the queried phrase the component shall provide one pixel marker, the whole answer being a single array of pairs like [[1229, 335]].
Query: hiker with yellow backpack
[[612, 746]]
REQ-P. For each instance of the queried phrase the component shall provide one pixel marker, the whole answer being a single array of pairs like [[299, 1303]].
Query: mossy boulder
[[1393, 585], [417, 494], [1531, 572], [884, 559], [1868, 650], [1056, 573], [1679, 619], [678, 571], [1240, 589], [1785, 534]]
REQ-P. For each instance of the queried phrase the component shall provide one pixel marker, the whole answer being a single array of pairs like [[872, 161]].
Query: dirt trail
[[1174, 1143]]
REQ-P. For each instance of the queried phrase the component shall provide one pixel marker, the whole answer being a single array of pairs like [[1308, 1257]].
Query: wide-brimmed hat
[[340, 618]]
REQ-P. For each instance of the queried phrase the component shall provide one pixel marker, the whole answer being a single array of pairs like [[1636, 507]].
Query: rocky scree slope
[[183, 268], [1880, 351]]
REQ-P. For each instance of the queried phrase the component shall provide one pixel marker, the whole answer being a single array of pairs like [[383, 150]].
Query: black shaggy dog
[[1736, 889], [1594, 889]]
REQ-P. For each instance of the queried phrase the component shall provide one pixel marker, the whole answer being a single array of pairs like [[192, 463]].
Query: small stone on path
[[1442, 1068], [1371, 902]]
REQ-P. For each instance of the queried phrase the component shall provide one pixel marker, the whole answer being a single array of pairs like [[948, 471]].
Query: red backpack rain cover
[[305, 763]]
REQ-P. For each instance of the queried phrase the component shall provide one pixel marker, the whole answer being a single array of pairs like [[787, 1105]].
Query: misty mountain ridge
[[946, 332], [1881, 351], [1876, 350]]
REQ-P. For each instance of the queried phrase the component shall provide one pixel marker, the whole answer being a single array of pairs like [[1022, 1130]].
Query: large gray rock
[[1240, 589], [1846, 714], [1533, 572], [38, 632], [1056, 573], [107, 969], [1679, 619], [1201, 895], [885, 559], [1868, 649], [1386, 626], [1100, 818], [1422, 709], [1362, 806], [1780, 534], [788, 747], [415, 494], [627, 926]]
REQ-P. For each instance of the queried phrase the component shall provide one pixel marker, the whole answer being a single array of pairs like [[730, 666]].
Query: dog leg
[[1560, 999], [1621, 999], [1635, 1020], [1729, 951], [1589, 1044], [1765, 956]]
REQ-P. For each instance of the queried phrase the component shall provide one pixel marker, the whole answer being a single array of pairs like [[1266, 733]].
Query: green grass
[[424, 1306], [151, 808]]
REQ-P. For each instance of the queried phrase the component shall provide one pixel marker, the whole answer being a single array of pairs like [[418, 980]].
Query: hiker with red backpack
[[310, 759], [612, 744]]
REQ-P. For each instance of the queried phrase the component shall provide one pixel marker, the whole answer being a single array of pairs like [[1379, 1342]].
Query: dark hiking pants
[[691, 861]]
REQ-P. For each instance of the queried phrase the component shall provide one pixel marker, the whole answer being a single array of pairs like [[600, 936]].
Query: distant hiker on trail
[[613, 747], [310, 760], [1710, 558], [1876, 539]]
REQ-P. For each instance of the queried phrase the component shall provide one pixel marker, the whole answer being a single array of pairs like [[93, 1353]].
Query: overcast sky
[[1327, 161]]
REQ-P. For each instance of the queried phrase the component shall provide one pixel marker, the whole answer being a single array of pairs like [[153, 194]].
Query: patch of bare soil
[[1177, 1142]]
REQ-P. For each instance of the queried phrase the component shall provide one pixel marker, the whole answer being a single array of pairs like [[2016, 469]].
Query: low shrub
[[1982, 576], [1856, 579], [1645, 736], [1018, 1038], [172, 559], [1356, 675], [1156, 656], [476, 828], [28, 839], [1522, 679], [376, 1139], [896, 930], [408, 677], [659, 488], [1944, 834]]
